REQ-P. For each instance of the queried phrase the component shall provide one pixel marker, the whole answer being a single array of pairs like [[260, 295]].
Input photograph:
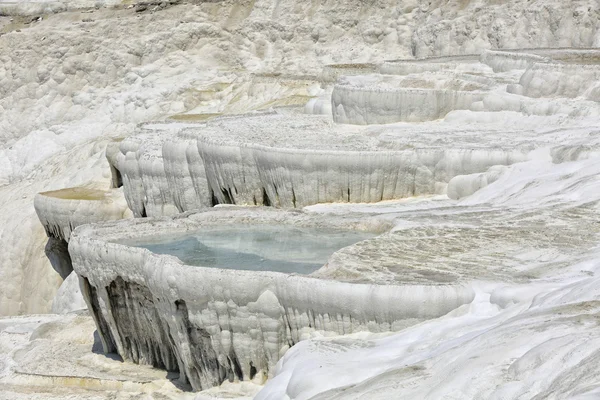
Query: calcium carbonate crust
[[384, 105], [430, 64], [502, 61], [61, 211], [281, 160], [560, 80], [212, 325]]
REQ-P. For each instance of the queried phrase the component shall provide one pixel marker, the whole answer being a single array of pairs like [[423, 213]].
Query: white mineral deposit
[[283, 200]]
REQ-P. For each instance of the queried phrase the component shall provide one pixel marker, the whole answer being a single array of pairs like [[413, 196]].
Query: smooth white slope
[[514, 341]]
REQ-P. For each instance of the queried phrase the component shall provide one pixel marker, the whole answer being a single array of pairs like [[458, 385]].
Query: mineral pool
[[279, 248]]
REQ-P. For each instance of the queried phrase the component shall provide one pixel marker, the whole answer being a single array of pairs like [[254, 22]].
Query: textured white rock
[[68, 297], [465, 185], [570, 55], [65, 81], [40, 7], [559, 80], [276, 159], [320, 105], [31, 280], [289, 172], [463, 28], [382, 103], [240, 322], [61, 211], [161, 170], [431, 64], [331, 73], [514, 100], [351, 176], [185, 174], [502, 61], [57, 357], [514, 340]]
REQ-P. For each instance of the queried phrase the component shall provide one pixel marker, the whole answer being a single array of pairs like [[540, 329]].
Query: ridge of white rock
[[277, 159], [332, 72], [430, 64], [463, 28], [560, 80], [509, 59], [283, 179], [61, 211], [465, 185], [160, 170], [513, 340], [572, 55], [502, 61], [366, 106], [184, 169]]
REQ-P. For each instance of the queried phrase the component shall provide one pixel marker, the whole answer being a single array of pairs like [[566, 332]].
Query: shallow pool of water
[[278, 248]]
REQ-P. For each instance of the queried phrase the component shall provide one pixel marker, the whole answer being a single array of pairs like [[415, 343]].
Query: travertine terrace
[[286, 159], [453, 146], [243, 321]]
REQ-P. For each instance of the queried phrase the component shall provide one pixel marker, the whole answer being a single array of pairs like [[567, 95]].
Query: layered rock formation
[[278, 159], [484, 180], [75, 73], [213, 324], [60, 212]]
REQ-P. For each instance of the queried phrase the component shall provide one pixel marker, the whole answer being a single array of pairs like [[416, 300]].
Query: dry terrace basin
[[284, 160]]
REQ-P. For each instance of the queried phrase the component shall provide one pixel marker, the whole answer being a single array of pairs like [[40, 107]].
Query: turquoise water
[[278, 248]]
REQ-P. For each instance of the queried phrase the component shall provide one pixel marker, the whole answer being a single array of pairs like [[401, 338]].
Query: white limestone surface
[[534, 340], [279, 160], [502, 61], [332, 72], [61, 211], [232, 324], [68, 297], [559, 80], [382, 100], [462, 63], [71, 79], [465, 185]]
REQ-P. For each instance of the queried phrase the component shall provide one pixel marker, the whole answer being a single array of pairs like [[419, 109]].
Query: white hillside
[[462, 135]]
